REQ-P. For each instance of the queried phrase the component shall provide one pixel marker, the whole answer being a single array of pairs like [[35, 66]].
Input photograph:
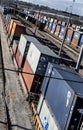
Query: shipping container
[[63, 23], [73, 26], [24, 44], [47, 24], [11, 25], [46, 116], [55, 21], [69, 35], [57, 31], [63, 90], [53, 28], [81, 41], [15, 46], [76, 38], [38, 57], [32, 81], [59, 22], [62, 32], [18, 29], [50, 26], [36, 62]]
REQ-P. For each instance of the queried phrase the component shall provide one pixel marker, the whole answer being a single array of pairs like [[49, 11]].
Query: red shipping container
[[18, 29], [28, 79], [70, 32], [59, 22], [32, 81], [75, 42], [73, 26]]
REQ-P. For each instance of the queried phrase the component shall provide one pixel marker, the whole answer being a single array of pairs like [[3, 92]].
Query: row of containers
[[60, 105], [73, 36], [57, 28]]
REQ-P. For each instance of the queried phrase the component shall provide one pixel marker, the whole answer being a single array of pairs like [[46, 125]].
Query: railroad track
[[69, 54]]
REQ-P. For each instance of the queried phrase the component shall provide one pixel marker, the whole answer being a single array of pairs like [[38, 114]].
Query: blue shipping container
[[81, 41], [76, 35], [50, 24], [62, 32], [53, 26], [68, 38], [61, 95]]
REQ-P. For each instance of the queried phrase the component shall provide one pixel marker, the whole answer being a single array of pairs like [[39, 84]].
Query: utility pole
[[68, 21]]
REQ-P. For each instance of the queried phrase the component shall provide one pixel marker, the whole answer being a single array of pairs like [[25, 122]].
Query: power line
[[18, 71]]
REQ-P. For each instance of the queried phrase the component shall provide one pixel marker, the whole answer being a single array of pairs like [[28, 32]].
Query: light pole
[[68, 21]]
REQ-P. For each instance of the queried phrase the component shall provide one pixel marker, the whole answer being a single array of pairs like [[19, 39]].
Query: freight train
[[62, 98]]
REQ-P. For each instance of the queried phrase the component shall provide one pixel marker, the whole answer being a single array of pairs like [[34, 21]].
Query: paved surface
[[3, 115], [18, 107]]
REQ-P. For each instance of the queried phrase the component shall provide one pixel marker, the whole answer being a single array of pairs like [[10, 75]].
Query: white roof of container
[[45, 50], [30, 38]]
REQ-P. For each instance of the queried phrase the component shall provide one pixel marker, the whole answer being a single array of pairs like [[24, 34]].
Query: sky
[[62, 5]]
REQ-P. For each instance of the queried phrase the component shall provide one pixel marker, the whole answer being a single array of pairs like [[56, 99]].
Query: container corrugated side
[[57, 31], [28, 79], [69, 34], [62, 33], [18, 29], [11, 25], [46, 116], [22, 44], [59, 95], [33, 56]]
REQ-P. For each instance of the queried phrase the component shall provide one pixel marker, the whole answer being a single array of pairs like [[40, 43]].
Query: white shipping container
[[25, 39], [34, 54], [47, 119]]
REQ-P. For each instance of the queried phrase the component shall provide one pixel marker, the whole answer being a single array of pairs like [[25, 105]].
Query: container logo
[[68, 98], [45, 124]]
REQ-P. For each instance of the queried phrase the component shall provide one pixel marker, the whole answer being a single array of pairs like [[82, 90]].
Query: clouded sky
[[62, 5]]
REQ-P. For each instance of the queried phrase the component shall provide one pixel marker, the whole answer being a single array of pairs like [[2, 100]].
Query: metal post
[[66, 30], [36, 24], [64, 36], [79, 59]]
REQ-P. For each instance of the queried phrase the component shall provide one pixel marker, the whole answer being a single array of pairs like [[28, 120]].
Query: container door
[[76, 122]]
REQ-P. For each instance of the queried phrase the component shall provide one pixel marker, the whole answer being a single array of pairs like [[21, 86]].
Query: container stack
[[17, 30], [69, 35], [35, 66], [61, 99], [76, 38], [23, 48]]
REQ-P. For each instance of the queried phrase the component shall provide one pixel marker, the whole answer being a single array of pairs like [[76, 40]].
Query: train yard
[[32, 74], [69, 54]]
